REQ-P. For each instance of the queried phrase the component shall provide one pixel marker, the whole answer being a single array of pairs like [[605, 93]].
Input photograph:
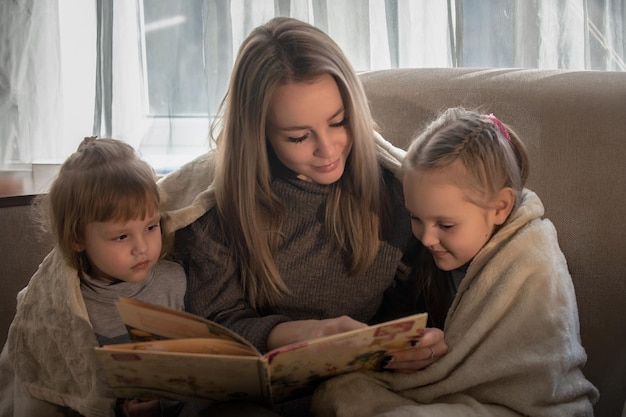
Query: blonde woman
[[302, 231]]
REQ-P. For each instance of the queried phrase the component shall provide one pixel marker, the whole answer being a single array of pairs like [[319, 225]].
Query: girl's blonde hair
[[103, 180], [492, 154], [493, 157], [287, 50]]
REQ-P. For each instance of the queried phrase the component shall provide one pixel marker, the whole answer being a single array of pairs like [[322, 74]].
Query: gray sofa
[[575, 126]]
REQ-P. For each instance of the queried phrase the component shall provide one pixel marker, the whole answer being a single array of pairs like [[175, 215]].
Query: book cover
[[178, 355]]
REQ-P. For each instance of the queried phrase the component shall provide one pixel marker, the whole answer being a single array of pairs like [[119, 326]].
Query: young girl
[[103, 212], [494, 279]]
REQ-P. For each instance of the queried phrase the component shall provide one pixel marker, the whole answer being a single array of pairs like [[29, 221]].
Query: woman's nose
[[323, 146]]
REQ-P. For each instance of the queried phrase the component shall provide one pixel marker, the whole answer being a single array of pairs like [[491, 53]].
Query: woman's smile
[[328, 168]]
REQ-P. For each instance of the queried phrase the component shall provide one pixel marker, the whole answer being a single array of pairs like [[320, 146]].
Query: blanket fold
[[50, 343]]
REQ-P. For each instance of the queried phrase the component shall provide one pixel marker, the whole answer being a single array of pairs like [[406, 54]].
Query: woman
[[302, 231]]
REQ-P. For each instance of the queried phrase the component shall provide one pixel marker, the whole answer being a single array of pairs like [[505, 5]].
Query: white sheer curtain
[[30, 78], [152, 72]]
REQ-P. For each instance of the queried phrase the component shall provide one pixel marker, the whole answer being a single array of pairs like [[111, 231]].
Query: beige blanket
[[49, 350], [50, 347], [513, 338]]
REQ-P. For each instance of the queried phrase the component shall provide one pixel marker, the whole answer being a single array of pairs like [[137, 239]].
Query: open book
[[179, 355]]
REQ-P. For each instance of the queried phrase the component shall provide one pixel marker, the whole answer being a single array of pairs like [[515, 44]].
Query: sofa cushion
[[574, 124]]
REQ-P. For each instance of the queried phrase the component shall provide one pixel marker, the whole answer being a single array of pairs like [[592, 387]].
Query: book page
[[211, 346], [145, 322], [147, 374], [296, 369]]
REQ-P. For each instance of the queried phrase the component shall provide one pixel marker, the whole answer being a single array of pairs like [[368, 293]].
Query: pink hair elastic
[[500, 126]]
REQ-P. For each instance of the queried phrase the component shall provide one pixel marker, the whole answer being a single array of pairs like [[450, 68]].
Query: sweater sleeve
[[214, 290]]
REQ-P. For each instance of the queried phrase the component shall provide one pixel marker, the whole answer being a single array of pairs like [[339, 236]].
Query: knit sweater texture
[[310, 263]]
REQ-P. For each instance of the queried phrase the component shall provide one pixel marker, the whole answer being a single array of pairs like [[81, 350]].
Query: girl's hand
[[139, 408], [430, 347], [297, 331]]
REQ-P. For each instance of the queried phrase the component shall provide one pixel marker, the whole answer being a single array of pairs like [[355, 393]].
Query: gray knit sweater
[[165, 285], [309, 261]]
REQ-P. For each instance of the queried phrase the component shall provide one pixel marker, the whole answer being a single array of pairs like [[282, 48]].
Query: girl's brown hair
[[103, 180]]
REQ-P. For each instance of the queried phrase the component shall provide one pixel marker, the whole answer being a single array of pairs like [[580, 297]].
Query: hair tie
[[500, 126], [87, 141]]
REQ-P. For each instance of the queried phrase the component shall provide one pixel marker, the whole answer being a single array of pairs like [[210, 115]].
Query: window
[[153, 72]]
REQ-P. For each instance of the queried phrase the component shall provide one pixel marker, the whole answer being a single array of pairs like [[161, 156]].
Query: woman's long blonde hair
[[281, 51]]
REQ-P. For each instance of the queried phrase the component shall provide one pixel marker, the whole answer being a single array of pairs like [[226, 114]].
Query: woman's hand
[[430, 347], [297, 331]]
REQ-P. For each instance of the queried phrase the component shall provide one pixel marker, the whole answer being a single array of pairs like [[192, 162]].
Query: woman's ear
[[78, 247], [504, 202]]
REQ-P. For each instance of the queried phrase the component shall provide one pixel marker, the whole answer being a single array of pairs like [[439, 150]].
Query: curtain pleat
[[30, 82], [102, 123], [218, 50]]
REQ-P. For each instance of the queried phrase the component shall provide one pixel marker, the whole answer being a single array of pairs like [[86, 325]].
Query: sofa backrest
[[574, 124], [22, 248]]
